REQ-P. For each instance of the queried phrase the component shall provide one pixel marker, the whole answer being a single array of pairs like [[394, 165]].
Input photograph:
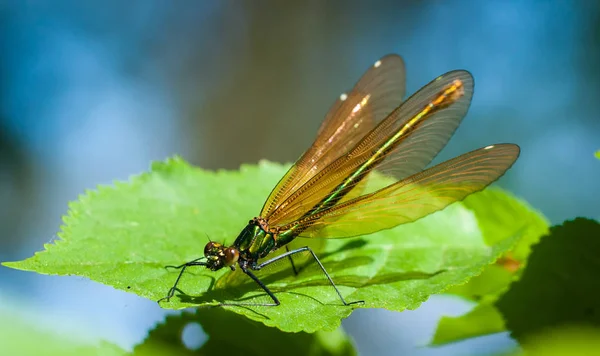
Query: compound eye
[[210, 248], [231, 256]]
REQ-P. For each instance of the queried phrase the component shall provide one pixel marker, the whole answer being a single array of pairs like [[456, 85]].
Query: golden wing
[[401, 145], [411, 198], [375, 95]]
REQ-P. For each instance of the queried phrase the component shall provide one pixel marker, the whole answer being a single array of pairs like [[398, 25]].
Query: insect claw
[[167, 298], [356, 302]]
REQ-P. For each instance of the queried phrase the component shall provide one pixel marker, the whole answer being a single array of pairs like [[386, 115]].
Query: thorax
[[257, 240]]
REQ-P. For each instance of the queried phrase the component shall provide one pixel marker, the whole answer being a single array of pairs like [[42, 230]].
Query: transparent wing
[[353, 115], [401, 145], [412, 198]]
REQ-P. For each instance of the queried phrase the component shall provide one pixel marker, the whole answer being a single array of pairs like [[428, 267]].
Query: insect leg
[[182, 267], [303, 249], [291, 261], [262, 285]]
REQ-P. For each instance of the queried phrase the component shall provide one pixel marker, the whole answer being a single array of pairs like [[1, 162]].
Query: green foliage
[[567, 340], [18, 337], [124, 235], [483, 319], [552, 309], [251, 337], [560, 285], [498, 214]]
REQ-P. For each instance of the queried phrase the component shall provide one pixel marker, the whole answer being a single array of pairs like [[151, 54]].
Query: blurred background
[[93, 91]]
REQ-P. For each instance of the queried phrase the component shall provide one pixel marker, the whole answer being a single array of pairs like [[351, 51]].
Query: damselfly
[[368, 131]]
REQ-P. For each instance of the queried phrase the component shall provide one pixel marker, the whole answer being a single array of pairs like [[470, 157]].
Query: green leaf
[[484, 319], [597, 154], [18, 337], [498, 214], [560, 285], [232, 334], [567, 340], [123, 236]]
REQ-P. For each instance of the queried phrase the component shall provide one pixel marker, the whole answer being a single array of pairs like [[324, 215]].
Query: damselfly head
[[219, 256]]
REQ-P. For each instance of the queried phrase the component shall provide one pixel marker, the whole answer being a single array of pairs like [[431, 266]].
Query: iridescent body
[[323, 194]]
